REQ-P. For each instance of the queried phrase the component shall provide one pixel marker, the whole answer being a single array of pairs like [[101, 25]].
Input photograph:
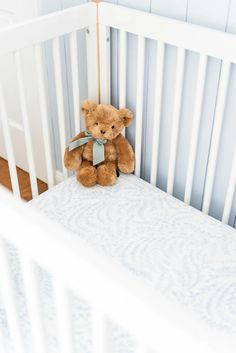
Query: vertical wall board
[[167, 114], [47, 7], [226, 150], [228, 138], [132, 48], [185, 126], [114, 67], [201, 12], [178, 11], [132, 65], [204, 138], [150, 83], [231, 27], [83, 83], [169, 8], [209, 13]]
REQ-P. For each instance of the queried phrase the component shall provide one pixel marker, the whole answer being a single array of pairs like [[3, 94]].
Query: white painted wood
[[46, 27], [9, 300], [25, 120], [44, 116], [75, 79], [176, 119], [92, 62], [8, 145], [141, 348], [16, 125], [195, 127], [122, 68], [157, 111], [230, 191], [139, 104], [33, 303], [99, 332], [2, 343], [218, 120], [105, 80], [207, 41], [64, 318], [124, 295], [60, 100]]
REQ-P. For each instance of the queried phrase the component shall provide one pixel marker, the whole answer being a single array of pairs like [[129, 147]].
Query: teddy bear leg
[[87, 174], [107, 174]]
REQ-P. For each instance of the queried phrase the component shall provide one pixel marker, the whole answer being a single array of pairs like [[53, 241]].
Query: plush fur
[[102, 121]]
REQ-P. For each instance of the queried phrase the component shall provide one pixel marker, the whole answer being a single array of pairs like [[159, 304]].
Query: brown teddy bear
[[97, 154]]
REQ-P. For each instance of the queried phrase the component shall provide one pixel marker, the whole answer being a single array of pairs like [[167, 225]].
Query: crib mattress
[[181, 252]]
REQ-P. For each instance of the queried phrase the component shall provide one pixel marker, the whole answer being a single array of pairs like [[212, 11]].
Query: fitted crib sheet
[[182, 253], [179, 250]]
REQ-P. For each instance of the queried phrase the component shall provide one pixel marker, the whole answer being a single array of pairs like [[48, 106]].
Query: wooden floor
[[23, 178]]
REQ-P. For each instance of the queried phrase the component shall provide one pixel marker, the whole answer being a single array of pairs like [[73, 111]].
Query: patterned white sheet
[[186, 255], [182, 252]]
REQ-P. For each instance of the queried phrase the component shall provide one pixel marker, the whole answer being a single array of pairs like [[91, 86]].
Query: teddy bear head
[[104, 121]]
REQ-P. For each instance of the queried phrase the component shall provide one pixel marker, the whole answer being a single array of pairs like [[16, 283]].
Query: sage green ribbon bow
[[98, 146]]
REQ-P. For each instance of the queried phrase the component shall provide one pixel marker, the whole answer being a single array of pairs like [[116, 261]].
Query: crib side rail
[[111, 292], [32, 35], [43, 28], [207, 43]]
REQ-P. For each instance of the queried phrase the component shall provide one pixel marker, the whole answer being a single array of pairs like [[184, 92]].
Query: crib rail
[[207, 43], [34, 33], [110, 291], [185, 37]]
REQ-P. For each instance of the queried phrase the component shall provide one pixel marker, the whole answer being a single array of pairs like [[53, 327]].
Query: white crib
[[113, 294]]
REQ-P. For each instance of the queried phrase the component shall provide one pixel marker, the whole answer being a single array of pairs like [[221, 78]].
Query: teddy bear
[[99, 153]]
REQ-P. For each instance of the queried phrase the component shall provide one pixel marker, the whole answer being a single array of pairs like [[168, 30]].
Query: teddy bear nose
[[103, 131]]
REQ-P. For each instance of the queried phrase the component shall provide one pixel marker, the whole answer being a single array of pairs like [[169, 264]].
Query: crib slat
[[219, 114], [9, 145], [25, 119], [195, 127], [44, 115], [99, 332], [33, 304], [157, 111], [75, 79], [63, 318], [10, 305], [2, 345], [104, 60], [176, 119], [60, 99], [139, 104], [230, 191], [122, 69]]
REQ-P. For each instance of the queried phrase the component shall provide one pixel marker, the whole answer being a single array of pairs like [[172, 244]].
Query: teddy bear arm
[[125, 155], [73, 159]]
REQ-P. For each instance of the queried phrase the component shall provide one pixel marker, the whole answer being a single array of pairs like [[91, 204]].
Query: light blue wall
[[219, 14]]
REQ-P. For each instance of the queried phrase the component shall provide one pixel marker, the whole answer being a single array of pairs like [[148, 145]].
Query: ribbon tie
[[98, 146]]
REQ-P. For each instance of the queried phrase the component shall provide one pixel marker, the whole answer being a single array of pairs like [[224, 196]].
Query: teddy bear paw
[[126, 167], [87, 176], [106, 175]]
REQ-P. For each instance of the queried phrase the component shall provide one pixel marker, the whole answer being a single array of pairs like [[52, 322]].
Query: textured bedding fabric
[[177, 249], [182, 253]]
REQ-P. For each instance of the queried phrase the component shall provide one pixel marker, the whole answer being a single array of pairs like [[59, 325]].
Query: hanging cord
[[98, 50]]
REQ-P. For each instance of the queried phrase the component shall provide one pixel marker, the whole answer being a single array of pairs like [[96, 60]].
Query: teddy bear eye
[[96, 124], [113, 127]]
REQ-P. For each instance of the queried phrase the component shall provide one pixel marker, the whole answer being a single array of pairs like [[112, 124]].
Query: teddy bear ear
[[87, 106], [126, 116]]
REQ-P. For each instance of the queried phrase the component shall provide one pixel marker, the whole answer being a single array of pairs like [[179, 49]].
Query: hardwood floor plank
[[23, 178]]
